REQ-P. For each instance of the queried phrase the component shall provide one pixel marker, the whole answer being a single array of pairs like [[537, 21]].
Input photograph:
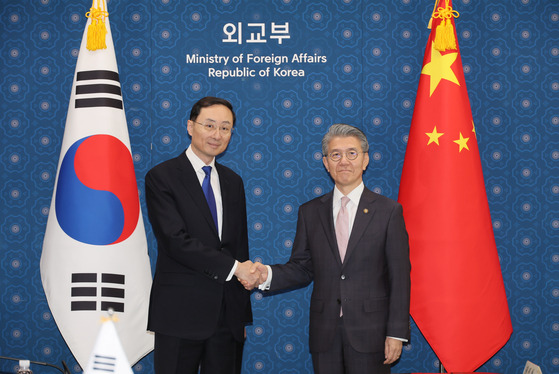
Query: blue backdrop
[[368, 60]]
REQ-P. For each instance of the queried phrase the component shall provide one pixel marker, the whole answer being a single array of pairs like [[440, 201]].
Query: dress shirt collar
[[354, 195], [197, 164]]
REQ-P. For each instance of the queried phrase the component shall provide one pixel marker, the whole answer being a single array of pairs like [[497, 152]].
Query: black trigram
[[97, 92], [86, 295], [104, 364]]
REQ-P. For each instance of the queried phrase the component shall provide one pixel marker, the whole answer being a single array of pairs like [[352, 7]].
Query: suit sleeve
[[173, 235], [399, 267], [298, 271]]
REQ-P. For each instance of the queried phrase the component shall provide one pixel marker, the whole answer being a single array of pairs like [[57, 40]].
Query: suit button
[[215, 277], [342, 277]]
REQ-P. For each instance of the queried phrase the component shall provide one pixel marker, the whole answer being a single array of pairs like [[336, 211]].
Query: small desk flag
[[108, 356]]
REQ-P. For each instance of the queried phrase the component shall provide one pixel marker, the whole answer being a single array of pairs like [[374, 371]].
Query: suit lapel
[[190, 181], [327, 220], [363, 216]]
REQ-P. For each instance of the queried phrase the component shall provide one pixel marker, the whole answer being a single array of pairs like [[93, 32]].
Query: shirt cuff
[[266, 285], [400, 339], [232, 272]]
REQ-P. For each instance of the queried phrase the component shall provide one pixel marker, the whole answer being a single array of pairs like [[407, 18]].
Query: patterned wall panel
[[367, 61]]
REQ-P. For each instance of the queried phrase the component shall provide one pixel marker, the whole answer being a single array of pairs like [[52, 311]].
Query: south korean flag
[[95, 254]]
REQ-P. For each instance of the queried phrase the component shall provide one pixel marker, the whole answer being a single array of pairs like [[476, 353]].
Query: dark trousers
[[221, 353], [341, 358]]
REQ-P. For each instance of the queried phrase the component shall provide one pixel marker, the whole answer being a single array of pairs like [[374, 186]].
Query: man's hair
[[342, 130], [209, 101]]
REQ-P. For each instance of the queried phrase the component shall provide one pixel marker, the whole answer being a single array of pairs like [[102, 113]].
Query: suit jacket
[[190, 285], [372, 284]]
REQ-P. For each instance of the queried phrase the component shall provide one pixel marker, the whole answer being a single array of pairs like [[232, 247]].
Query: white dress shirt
[[354, 197], [197, 164]]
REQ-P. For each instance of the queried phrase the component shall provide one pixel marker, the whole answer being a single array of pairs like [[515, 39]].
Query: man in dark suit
[[197, 210], [353, 244]]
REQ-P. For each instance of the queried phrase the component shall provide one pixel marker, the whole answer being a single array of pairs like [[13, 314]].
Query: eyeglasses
[[212, 126], [350, 155]]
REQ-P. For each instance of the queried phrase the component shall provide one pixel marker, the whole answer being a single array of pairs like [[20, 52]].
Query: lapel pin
[[365, 210]]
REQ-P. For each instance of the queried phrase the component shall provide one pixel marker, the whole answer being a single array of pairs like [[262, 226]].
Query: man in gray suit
[[353, 244]]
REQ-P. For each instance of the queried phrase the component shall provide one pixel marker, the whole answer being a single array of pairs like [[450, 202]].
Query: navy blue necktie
[[208, 191]]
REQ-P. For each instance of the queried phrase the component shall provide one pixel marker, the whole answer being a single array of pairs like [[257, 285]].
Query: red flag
[[458, 298]]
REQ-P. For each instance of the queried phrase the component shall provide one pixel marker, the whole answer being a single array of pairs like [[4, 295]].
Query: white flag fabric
[[107, 355], [95, 249]]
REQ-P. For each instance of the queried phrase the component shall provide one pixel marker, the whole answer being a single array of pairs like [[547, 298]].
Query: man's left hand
[[392, 350]]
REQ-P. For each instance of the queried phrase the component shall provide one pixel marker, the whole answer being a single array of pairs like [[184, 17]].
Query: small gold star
[[462, 142]]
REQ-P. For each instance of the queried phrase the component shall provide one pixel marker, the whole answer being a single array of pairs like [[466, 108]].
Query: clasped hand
[[251, 274]]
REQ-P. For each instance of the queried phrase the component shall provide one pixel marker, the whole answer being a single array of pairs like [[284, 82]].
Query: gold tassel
[[97, 30], [444, 34]]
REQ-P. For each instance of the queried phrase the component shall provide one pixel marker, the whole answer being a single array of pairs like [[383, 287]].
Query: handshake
[[251, 274]]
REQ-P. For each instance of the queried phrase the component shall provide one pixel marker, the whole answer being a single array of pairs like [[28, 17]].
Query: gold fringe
[[97, 31]]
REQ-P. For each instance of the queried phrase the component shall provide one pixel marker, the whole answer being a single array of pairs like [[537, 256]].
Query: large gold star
[[462, 142], [439, 68], [434, 136]]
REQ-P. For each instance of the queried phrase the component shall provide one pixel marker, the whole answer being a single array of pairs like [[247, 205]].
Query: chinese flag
[[458, 298]]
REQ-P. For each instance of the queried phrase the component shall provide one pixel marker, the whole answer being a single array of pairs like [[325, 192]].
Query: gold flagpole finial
[[97, 30]]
